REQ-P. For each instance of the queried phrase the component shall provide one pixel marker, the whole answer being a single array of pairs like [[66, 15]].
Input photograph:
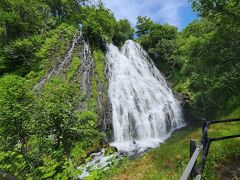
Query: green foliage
[[229, 9], [58, 107], [74, 67], [39, 132], [55, 46], [22, 22], [16, 102], [64, 10], [143, 26], [18, 54], [123, 32], [208, 55], [99, 77], [98, 24], [68, 169], [22, 18], [47, 128], [159, 41], [202, 61], [24, 27], [53, 38], [99, 59], [77, 153], [15, 114], [12, 161]]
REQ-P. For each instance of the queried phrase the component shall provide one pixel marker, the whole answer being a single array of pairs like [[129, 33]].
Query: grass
[[170, 159]]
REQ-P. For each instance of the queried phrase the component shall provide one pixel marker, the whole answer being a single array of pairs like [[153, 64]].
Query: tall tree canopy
[[229, 8], [158, 40]]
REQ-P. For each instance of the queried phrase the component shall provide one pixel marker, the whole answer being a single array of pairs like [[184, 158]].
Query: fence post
[[205, 134], [204, 158], [193, 146], [204, 145]]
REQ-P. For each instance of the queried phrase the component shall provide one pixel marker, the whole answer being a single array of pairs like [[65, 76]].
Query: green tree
[[144, 25], [15, 116], [24, 25], [59, 117], [98, 24], [22, 22], [229, 8], [67, 11], [208, 54], [123, 32], [159, 41], [21, 18]]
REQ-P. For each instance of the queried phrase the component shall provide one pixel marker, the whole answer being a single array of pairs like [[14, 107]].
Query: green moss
[[98, 77], [74, 67], [183, 88], [92, 101], [109, 150], [55, 46], [52, 39], [99, 59]]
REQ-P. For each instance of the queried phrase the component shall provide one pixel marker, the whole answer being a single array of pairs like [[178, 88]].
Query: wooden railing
[[192, 169]]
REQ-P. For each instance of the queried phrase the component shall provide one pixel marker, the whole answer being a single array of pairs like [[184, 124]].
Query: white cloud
[[163, 11]]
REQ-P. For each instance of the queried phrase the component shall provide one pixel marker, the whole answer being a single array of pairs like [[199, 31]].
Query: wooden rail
[[204, 146]]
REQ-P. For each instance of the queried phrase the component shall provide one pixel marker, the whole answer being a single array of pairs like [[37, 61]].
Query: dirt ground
[[231, 170]]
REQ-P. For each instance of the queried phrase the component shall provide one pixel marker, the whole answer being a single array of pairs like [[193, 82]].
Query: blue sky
[[173, 12]]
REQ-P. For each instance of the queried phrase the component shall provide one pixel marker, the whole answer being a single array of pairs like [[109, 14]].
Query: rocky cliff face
[[85, 67]]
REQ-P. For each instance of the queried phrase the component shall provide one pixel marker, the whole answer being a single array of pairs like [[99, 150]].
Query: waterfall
[[86, 68], [144, 109]]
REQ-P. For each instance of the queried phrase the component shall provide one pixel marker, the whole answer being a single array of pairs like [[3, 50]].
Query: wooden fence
[[192, 169]]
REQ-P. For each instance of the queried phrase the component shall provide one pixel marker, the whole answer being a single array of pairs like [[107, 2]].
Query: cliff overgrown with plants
[[48, 130], [59, 125]]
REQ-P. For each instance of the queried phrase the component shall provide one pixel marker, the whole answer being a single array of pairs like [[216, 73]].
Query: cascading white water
[[98, 161], [144, 109]]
